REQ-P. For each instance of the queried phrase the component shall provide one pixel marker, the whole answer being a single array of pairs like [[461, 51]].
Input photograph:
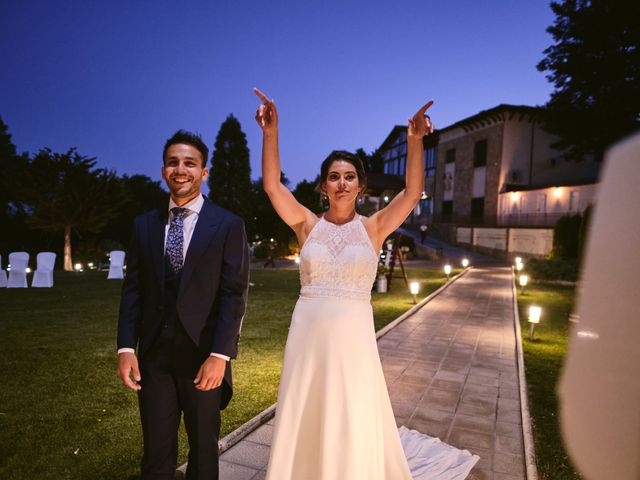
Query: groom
[[183, 300]]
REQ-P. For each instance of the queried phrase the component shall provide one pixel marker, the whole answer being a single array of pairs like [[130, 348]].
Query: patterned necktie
[[175, 238]]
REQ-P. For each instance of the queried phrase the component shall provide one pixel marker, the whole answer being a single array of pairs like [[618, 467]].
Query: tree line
[[66, 203], [53, 200]]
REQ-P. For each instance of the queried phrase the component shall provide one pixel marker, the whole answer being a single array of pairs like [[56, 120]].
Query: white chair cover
[[3, 275], [43, 276], [116, 264], [18, 272]]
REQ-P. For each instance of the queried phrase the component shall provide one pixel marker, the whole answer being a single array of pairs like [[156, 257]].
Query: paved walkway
[[451, 372]]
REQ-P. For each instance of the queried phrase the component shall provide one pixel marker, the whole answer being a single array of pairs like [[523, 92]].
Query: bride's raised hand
[[266, 115], [420, 125]]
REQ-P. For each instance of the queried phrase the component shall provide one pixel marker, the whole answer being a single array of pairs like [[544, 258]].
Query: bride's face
[[342, 184]]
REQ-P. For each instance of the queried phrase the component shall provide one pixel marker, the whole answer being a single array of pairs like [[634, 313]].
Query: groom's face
[[183, 171]]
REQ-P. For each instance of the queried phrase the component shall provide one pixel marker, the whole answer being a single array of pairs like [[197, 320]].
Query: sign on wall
[[535, 241], [495, 238], [463, 235]]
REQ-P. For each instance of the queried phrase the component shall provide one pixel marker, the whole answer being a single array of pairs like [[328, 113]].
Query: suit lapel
[[157, 224], [206, 227]]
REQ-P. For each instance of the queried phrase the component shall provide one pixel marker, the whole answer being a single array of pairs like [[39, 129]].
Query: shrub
[[565, 236], [554, 268]]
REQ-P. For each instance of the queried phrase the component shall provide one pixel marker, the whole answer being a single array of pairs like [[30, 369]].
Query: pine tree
[[595, 68], [230, 174]]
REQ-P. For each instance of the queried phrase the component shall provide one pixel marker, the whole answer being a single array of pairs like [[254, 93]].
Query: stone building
[[495, 168], [499, 164]]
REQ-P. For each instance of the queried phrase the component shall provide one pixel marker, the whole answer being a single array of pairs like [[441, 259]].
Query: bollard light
[[414, 288], [90, 264], [447, 270], [297, 259], [518, 260], [519, 266], [28, 270], [524, 279], [386, 198], [78, 267], [535, 313], [465, 262]]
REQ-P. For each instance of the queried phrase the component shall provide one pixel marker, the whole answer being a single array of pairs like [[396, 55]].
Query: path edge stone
[[527, 431], [266, 415]]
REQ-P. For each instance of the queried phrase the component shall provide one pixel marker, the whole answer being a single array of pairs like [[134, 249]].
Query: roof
[[493, 114], [377, 182], [510, 187]]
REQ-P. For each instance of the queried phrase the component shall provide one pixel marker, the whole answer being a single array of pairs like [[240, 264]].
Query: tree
[[373, 162], [230, 177], [594, 65], [265, 223], [306, 194], [7, 165], [12, 167], [141, 194], [64, 193]]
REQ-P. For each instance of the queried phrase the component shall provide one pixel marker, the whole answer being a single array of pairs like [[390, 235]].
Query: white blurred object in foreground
[[600, 387]]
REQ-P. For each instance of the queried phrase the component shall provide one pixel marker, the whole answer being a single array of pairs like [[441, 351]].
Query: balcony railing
[[512, 219]]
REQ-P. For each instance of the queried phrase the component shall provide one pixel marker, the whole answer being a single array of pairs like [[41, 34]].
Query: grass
[[543, 360], [64, 413]]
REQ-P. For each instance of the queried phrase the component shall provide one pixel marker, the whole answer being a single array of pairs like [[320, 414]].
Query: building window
[[477, 208], [447, 210], [480, 153], [430, 161], [450, 156], [574, 198]]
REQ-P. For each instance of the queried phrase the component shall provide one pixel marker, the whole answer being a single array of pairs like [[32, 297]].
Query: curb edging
[[527, 431]]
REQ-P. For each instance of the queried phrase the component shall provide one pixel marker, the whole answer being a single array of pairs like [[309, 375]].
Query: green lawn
[[64, 413], [543, 360]]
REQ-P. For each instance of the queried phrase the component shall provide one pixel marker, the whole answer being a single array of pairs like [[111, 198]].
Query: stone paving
[[451, 370]]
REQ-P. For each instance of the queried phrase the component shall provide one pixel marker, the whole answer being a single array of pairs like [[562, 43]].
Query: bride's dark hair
[[347, 157]]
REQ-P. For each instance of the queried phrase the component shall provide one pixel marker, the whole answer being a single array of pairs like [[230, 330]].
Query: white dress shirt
[[189, 225]]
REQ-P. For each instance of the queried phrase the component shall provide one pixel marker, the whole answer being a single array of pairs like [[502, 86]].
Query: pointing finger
[[424, 107], [262, 96]]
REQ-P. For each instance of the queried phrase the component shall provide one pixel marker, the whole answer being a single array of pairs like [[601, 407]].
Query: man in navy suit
[[183, 300]]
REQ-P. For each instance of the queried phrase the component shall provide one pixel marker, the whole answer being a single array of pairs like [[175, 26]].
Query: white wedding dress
[[333, 418]]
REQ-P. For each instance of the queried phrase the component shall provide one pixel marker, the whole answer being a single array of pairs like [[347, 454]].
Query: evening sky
[[116, 78]]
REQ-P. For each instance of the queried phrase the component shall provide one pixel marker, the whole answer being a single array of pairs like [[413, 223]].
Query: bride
[[334, 419]]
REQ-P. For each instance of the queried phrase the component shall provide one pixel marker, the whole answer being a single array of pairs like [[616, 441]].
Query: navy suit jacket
[[213, 289]]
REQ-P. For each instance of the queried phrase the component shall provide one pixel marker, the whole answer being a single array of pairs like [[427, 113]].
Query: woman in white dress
[[333, 418]]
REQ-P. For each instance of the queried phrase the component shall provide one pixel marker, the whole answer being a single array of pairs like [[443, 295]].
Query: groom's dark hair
[[188, 138]]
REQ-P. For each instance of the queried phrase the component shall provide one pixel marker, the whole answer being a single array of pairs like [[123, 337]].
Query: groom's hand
[[210, 374], [128, 365]]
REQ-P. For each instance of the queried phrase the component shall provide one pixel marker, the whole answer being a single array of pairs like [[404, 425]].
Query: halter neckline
[[341, 224]]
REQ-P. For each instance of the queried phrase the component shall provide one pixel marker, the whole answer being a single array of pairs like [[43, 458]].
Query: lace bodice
[[338, 261]]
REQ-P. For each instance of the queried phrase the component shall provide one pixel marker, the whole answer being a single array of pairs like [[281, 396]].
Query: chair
[[116, 259], [43, 276], [3, 275], [18, 272]]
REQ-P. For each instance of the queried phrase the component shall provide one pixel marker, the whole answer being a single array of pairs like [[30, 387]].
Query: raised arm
[[385, 221], [292, 213]]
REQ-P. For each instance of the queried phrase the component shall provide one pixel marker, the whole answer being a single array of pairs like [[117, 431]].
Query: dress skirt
[[334, 418]]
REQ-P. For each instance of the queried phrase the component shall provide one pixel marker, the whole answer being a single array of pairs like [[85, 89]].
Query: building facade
[[394, 153], [498, 167]]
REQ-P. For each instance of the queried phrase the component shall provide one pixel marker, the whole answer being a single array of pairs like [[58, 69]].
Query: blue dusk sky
[[116, 78]]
